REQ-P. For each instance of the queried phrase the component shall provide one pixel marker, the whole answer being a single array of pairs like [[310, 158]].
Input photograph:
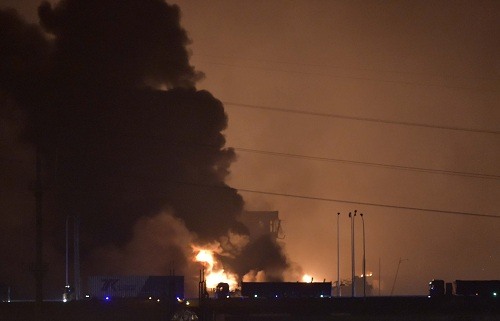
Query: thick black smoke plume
[[115, 149]]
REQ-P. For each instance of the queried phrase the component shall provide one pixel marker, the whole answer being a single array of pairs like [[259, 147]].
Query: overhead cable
[[366, 119]]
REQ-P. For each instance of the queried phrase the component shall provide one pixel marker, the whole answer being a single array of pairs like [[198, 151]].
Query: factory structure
[[261, 223]]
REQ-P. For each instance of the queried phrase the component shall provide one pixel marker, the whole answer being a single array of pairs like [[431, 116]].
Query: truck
[[136, 286], [466, 288]]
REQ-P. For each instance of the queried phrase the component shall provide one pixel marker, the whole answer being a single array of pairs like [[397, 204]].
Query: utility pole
[[397, 271]]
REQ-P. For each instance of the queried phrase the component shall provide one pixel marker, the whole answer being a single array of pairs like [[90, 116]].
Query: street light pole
[[364, 257], [38, 267], [353, 263], [339, 292]]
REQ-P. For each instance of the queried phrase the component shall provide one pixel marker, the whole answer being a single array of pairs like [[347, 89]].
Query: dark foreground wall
[[374, 308], [123, 310]]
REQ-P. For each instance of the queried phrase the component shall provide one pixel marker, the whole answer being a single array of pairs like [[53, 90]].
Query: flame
[[205, 256], [307, 278], [214, 272]]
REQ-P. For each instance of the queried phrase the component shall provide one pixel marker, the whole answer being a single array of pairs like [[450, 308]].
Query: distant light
[[158, 300], [87, 296], [321, 296], [255, 295], [187, 302], [150, 298], [65, 300], [276, 296], [495, 294], [227, 296], [107, 298]]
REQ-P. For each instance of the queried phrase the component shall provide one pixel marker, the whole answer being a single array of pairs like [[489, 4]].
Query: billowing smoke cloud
[[161, 234], [117, 151], [125, 43]]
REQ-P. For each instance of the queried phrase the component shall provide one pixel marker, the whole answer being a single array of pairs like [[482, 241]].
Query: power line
[[398, 167], [409, 208], [308, 64], [369, 204], [324, 159], [238, 189], [400, 82], [366, 119]]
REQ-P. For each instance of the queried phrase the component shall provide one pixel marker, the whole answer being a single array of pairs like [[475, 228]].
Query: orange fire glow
[[214, 272], [307, 278]]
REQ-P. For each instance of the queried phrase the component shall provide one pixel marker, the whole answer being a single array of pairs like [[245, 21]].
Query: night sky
[[306, 107]]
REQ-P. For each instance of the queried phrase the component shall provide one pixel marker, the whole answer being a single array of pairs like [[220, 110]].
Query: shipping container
[[466, 288], [136, 286], [482, 288]]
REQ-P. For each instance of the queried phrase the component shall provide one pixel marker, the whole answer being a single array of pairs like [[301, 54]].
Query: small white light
[[150, 298], [158, 300], [255, 295], [187, 302]]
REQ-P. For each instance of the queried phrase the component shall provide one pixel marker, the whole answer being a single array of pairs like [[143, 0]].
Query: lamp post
[[339, 292], [364, 257], [76, 256], [38, 267], [67, 252], [353, 263]]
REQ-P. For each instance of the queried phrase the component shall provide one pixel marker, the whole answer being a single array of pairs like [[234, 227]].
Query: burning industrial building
[[126, 141]]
